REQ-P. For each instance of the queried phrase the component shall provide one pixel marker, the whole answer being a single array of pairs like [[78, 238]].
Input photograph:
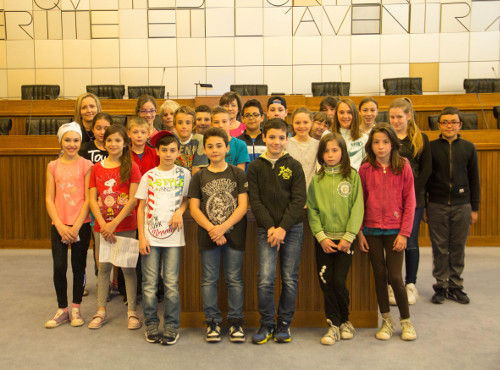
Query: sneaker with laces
[[236, 333], [392, 298], [457, 295], [76, 318], [411, 287], [407, 330], [170, 336], [385, 331], [411, 297], [347, 330], [152, 334], [263, 335], [283, 334], [59, 318], [213, 332], [332, 335], [439, 296]]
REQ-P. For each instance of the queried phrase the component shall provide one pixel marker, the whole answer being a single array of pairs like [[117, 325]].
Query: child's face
[[99, 129], [344, 114], [88, 109], [70, 143], [399, 120], [449, 125], [302, 125], [368, 113], [167, 119], [329, 110], [203, 120], [148, 111], [275, 140], [184, 125], [381, 146], [252, 118], [318, 127], [221, 120], [114, 144], [332, 154], [232, 109], [168, 154], [215, 149], [276, 110], [139, 134]]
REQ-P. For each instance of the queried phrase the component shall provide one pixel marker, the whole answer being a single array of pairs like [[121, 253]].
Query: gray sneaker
[[152, 334], [170, 336]]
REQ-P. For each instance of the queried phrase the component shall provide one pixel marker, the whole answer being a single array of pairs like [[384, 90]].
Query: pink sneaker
[[59, 318]]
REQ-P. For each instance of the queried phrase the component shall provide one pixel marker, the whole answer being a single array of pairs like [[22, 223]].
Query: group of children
[[364, 184]]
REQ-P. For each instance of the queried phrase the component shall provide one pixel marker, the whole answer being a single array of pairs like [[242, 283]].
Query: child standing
[[146, 108], [335, 213], [113, 183], [454, 195], [252, 117], [94, 150], [322, 123], [67, 201], [328, 105], [389, 197], [301, 146], [167, 111], [277, 197], [162, 196], [276, 108], [203, 119], [219, 203], [143, 155], [368, 111]]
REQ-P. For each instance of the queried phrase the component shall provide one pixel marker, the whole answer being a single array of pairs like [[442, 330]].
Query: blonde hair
[[78, 107], [170, 105], [136, 121], [413, 132]]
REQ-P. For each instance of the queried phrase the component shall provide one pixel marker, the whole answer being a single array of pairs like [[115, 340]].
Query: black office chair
[[496, 113], [403, 86], [40, 92], [481, 85], [45, 125], [470, 121], [107, 91], [382, 116], [157, 92], [5, 126], [119, 120], [330, 88], [246, 90]]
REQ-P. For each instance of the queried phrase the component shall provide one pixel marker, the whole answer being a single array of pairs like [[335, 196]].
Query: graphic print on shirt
[[344, 189], [220, 204], [111, 201], [96, 155]]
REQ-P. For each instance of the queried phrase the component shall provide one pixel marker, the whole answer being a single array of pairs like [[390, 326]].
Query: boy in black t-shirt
[[218, 203]]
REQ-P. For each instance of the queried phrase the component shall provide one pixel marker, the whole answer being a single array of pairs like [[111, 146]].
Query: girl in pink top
[[389, 197], [67, 201]]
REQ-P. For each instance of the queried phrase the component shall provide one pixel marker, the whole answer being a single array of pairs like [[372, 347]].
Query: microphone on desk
[[482, 110]]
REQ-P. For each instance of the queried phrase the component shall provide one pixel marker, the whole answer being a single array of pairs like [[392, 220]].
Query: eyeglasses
[[143, 111], [446, 123], [253, 115]]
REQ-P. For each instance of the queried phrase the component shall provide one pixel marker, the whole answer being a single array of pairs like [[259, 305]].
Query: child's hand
[[344, 246], [400, 243], [176, 222], [108, 230], [473, 217], [424, 217], [66, 234], [221, 241], [144, 247], [328, 246], [363, 244], [216, 232], [277, 237]]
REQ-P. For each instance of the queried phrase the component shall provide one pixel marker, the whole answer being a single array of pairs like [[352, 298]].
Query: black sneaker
[[152, 334], [263, 335], [236, 333], [213, 332], [170, 336], [458, 295], [283, 334], [439, 296]]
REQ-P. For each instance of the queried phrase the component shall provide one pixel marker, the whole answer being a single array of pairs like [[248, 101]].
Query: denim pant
[[289, 255], [412, 253], [169, 258], [210, 263]]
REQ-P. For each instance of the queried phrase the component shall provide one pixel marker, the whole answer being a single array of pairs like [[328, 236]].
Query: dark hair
[[345, 161], [104, 116], [275, 123], [167, 140], [368, 99], [323, 117], [330, 101], [185, 110], [203, 108], [450, 110], [215, 131], [355, 131], [219, 109], [412, 130], [252, 103], [143, 99], [397, 162], [229, 97], [276, 99], [126, 158]]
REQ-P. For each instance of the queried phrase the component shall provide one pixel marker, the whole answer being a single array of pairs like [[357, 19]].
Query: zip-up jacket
[[335, 206], [277, 192], [455, 173], [389, 198]]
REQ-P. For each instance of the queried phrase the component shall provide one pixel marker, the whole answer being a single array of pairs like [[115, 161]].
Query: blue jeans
[[170, 260], [289, 254], [210, 263], [412, 253]]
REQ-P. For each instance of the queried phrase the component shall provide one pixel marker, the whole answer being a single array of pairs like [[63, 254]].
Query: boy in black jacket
[[277, 190], [453, 196]]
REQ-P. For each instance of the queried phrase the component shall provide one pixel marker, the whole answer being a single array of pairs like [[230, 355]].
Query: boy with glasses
[[252, 116]]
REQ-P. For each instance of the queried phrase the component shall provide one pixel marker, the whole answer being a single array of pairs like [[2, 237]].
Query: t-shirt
[[112, 195], [356, 149], [238, 130], [218, 194], [91, 152], [163, 191], [305, 153], [191, 153], [69, 179], [238, 152]]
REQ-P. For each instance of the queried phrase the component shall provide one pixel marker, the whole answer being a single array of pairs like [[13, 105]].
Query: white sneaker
[[392, 298], [413, 289], [411, 297], [407, 330], [385, 331], [332, 335], [347, 330]]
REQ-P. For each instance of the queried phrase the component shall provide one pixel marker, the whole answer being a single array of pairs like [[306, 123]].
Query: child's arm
[[84, 211], [241, 166], [242, 156], [356, 214], [219, 230], [144, 247], [259, 210], [409, 203], [201, 219], [176, 222], [475, 189], [96, 211], [109, 228]]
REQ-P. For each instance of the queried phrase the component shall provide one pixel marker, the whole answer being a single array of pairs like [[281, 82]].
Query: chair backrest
[[246, 90], [403, 86], [107, 91], [5, 125], [119, 120], [157, 92], [45, 125], [481, 85], [40, 92], [469, 123], [330, 88], [382, 116], [496, 113]]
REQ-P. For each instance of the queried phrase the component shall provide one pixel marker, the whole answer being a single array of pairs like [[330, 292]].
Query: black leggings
[[78, 264]]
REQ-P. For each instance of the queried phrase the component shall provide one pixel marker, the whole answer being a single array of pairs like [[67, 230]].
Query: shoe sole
[[55, 326], [100, 325], [169, 342], [76, 325], [456, 300], [346, 338], [277, 340], [437, 301], [213, 340], [237, 340], [151, 340], [263, 341]]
